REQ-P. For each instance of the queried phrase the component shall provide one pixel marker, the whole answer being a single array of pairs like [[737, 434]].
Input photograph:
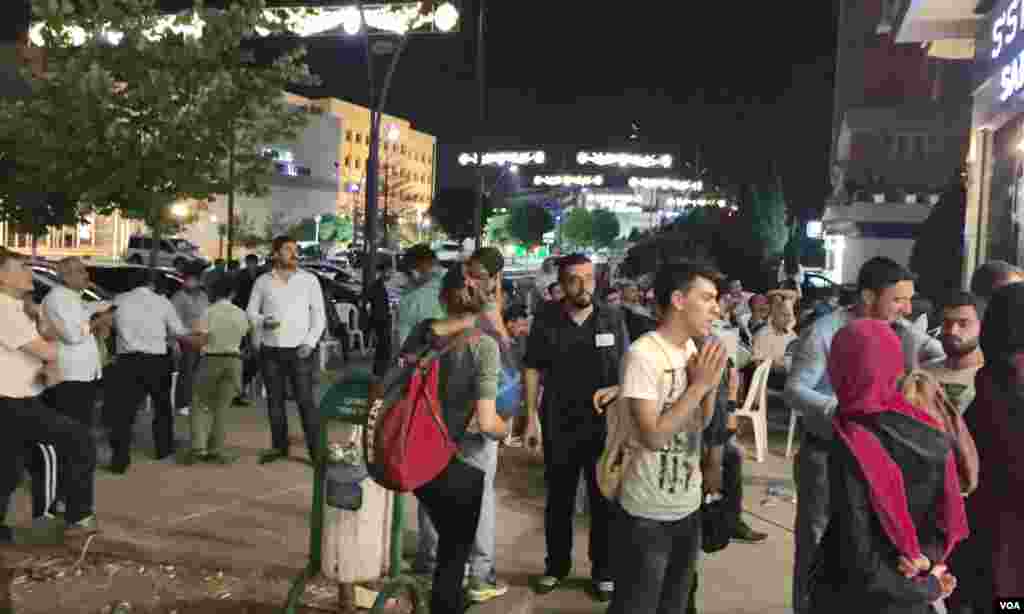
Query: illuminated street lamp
[[180, 210]]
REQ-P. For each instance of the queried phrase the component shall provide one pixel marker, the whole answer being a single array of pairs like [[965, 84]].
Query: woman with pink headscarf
[[897, 511]]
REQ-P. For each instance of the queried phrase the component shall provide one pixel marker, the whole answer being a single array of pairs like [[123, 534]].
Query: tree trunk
[[231, 197]]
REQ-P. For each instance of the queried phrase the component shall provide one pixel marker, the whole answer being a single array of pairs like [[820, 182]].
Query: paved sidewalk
[[252, 517]]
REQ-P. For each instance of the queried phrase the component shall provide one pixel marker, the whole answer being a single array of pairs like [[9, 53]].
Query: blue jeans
[[482, 453], [655, 563]]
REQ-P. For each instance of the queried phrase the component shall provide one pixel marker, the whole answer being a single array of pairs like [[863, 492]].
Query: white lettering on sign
[[502, 158], [1005, 28], [665, 183], [624, 159], [569, 180], [1009, 605], [1011, 79]]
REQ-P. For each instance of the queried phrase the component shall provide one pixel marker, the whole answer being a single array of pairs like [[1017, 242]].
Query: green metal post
[[397, 535]]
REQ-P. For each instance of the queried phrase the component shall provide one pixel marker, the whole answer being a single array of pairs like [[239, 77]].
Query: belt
[[144, 354], [229, 355]]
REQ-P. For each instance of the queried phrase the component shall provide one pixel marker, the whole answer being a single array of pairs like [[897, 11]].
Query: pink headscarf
[[864, 364]]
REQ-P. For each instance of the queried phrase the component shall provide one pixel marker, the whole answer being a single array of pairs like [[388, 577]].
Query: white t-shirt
[[663, 485], [20, 372]]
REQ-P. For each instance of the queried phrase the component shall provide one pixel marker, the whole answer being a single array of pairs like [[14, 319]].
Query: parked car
[[116, 279], [173, 252], [45, 279]]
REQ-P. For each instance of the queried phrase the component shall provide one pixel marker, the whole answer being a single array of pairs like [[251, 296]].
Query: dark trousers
[[282, 366], [655, 564], [732, 478], [187, 366], [732, 489], [134, 377], [567, 453], [29, 421], [452, 501], [76, 400], [382, 355]]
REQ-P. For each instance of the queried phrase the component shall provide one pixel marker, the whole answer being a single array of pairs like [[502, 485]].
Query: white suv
[[173, 252]]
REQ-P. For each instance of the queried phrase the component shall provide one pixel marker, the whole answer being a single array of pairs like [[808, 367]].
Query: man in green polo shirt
[[219, 378]]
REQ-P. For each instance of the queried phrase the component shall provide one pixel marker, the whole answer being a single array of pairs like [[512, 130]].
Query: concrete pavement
[[251, 517]]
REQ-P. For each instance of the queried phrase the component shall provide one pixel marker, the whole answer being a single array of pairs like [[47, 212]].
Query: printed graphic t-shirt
[[663, 485], [958, 384]]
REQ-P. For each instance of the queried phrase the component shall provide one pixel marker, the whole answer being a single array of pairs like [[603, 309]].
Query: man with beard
[[578, 346], [961, 328], [885, 291], [420, 298], [288, 304]]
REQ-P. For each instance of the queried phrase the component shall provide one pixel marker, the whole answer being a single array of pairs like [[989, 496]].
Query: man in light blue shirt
[[885, 289], [420, 300]]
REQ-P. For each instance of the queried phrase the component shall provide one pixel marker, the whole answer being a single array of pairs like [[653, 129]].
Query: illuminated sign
[[502, 158], [658, 183], [681, 202], [569, 180], [624, 159], [303, 21], [1007, 55], [610, 200]]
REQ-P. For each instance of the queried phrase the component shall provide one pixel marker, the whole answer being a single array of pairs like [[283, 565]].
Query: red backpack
[[406, 440]]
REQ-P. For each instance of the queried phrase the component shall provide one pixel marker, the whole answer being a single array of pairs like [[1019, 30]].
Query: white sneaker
[[184, 411]]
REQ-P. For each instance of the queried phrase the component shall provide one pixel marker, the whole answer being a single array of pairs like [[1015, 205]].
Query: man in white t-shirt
[[666, 383], [28, 361], [961, 330]]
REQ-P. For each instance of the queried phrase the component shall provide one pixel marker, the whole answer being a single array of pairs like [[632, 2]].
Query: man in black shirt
[[577, 345], [245, 279]]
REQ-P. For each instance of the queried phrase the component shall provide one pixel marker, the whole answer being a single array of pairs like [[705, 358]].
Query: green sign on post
[[346, 400]]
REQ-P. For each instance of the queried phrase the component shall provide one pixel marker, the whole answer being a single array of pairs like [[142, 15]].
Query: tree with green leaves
[[497, 230], [333, 229], [606, 228], [938, 253], [527, 224], [169, 115], [578, 228], [452, 211]]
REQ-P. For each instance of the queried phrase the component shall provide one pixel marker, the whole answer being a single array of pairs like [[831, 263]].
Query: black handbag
[[717, 525], [344, 488]]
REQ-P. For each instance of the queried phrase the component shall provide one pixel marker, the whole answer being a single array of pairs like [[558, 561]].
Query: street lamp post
[[316, 239]]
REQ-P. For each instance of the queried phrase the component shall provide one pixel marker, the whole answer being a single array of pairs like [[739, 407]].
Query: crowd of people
[[905, 458]]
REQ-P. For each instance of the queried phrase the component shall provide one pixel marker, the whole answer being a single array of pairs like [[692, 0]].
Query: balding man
[[78, 353], [994, 275], [78, 359]]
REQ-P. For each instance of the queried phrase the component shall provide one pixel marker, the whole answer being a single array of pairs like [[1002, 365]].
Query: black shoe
[[273, 455], [243, 402], [119, 467], [603, 590], [745, 535]]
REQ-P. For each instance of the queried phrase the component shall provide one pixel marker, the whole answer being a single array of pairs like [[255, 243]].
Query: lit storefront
[[995, 161]]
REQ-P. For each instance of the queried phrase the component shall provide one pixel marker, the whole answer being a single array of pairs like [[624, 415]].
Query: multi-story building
[[324, 172], [902, 116]]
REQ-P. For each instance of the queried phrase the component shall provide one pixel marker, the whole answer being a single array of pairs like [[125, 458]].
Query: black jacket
[[856, 567]]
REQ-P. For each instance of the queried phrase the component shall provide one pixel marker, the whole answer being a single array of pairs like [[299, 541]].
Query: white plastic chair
[[324, 349], [757, 392], [349, 314]]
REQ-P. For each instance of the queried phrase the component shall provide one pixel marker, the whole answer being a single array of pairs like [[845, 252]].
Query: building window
[[348, 136], [403, 150], [358, 163], [348, 161], [359, 138]]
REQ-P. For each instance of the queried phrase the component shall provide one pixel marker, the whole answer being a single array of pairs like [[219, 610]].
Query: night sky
[[750, 83]]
